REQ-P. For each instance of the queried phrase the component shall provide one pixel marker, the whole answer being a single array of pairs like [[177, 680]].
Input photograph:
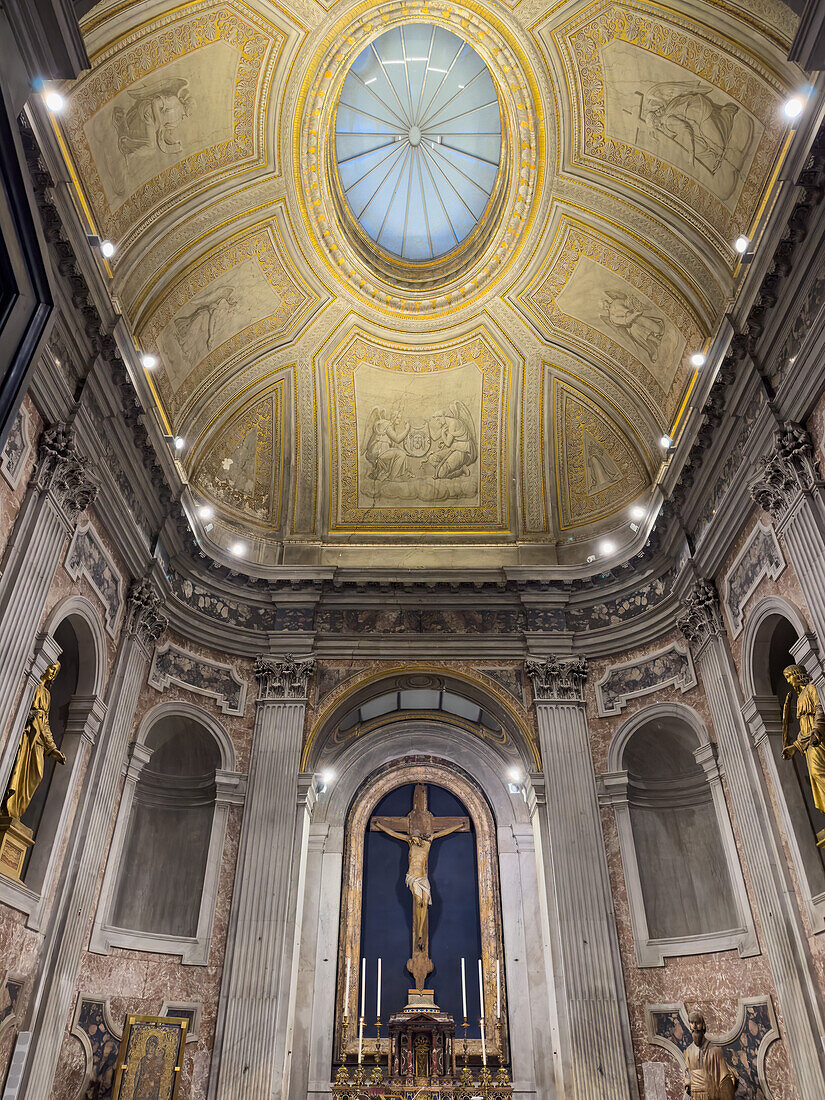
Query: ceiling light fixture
[[666, 442], [148, 362], [793, 107], [637, 511], [238, 549], [516, 775], [54, 101], [107, 248], [741, 244], [698, 359], [607, 547], [205, 512], [179, 442]]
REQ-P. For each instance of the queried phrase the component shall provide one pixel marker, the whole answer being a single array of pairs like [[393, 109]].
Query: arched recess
[[684, 882], [345, 767], [161, 878], [776, 635], [75, 636]]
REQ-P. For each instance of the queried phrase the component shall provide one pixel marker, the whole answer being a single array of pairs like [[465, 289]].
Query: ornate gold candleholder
[[375, 1078], [342, 1076]]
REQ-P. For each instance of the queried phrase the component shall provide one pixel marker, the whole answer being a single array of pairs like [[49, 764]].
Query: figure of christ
[[419, 829]]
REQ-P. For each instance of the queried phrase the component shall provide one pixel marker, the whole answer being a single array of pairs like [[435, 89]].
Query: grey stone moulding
[[88, 556], [173, 665], [17, 449], [760, 557], [672, 665]]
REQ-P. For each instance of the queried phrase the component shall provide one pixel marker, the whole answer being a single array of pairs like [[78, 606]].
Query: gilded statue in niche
[[811, 731], [707, 1075], [27, 774]]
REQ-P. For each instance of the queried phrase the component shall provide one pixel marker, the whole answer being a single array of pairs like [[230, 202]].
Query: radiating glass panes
[[418, 140]]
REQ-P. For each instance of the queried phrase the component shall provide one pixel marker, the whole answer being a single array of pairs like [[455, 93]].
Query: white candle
[[498, 989], [364, 986], [346, 989], [483, 1044], [378, 1002], [463, 990]]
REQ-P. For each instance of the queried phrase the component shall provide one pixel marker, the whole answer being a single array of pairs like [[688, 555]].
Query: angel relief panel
[[599, 469], [168, 106], [671, 106], [418, 440]]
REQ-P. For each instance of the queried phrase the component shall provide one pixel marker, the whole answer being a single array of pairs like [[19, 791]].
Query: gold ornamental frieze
[[457, 279]]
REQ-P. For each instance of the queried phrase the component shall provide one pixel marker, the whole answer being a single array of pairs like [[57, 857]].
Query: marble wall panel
[[11, 494]]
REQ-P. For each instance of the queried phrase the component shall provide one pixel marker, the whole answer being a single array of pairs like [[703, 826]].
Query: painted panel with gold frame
[[149, 1061]]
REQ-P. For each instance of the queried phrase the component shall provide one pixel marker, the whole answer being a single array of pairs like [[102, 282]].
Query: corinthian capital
[[143, 616], [283, 677], [61, 471], [789, 469], [557, 679], [701, 618]]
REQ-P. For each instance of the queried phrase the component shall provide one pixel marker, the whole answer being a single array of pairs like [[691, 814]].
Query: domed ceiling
[[554, 189]]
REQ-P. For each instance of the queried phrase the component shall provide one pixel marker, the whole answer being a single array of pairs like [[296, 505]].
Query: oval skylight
[[418, 141]]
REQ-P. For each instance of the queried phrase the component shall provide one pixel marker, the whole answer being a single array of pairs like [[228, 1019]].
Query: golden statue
[[811, 731], [419, 829], [27, 774], [707, 1075]]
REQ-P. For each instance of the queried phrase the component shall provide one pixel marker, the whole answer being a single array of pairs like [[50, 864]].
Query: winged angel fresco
[[430, 458], [151, 123]]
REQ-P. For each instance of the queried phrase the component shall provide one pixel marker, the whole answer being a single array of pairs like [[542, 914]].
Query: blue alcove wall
[[386, 915]]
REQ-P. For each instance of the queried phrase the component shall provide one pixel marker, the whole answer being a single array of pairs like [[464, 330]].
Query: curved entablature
[[340, 404]]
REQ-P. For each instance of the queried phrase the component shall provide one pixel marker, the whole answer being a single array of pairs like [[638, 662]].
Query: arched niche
[[776, 635], [344, 767], [74, 636], [161, 878], [684, 881]]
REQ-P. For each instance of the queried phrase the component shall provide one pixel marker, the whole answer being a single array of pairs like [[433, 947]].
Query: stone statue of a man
[[707, 1074]]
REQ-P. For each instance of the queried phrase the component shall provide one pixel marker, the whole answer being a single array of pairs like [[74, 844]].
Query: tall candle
[[463, 990], [364, 986], [378, 1002], [498, 989], [346, 989]]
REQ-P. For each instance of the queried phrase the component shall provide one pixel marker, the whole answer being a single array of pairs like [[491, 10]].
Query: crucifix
[[419, 829]]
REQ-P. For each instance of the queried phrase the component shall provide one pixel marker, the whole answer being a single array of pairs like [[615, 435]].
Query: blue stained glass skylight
[[418, 141]]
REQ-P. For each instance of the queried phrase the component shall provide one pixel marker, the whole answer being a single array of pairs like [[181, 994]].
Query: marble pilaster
[[596, 1054], [782, 933], [789, 488], [69, 925], [59, 492], [257, 1001]]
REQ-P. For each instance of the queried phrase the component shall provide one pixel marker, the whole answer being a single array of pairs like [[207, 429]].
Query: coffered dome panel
[[389, 367]]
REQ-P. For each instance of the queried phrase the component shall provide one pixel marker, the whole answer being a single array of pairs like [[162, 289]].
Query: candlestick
[[481, 1022], [346, 990], [378, 1003], [483, 1043], [360, 1038], [364, 986], [498, 988], [463, 991]]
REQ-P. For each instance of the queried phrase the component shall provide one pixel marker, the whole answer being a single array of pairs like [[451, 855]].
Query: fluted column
[[69, 926], [249, 1057], [782, 934], [59, 491], [788, 487], [596, 1052]]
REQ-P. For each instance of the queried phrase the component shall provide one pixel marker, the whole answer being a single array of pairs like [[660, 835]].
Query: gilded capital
[[144, 617], [790, 468], [701, 618], [283, 678], [62, 472], [557, 679]]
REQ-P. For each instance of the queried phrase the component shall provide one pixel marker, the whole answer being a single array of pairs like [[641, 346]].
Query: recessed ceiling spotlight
[[238, 549], [148, 362], [205, 512], [607, 547], [327, 777], [591, 558], [54, 101], [516, 775], [179, 442], [107, 248], [637, 511], [793, 107], [697, 359], [666, 442], [741, 244]]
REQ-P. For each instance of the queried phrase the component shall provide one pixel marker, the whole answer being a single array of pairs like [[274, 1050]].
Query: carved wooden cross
[[419, 829]]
